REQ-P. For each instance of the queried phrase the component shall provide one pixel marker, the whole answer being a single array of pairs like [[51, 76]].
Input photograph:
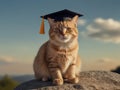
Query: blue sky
[[99, 35]]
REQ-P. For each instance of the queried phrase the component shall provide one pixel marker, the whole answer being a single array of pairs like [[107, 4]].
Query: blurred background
[[99, 35]]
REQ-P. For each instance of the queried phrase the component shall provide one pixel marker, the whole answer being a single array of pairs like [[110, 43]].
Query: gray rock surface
[[91, 80]]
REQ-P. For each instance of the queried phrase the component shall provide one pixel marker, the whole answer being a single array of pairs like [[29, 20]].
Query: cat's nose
[[64, 31]]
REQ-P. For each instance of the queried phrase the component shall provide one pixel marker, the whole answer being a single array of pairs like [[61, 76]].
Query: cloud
[[81, 22], [6, 59], [104, 60], [11, 65], [16, 69], [105, 64], [107, 30]]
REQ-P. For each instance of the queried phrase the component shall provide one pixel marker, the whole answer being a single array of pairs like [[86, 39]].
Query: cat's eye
[[69, 29], [56, 30]]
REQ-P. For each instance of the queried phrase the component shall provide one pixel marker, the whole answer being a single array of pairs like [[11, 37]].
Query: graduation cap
[[58, 16]]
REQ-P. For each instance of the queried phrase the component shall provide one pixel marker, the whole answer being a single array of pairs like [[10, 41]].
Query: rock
[[91, 80]]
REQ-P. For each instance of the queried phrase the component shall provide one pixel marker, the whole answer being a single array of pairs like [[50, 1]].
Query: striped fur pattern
[[58, 58]]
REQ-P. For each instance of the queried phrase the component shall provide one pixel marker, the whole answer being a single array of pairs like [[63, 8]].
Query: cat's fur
[[58, 58]]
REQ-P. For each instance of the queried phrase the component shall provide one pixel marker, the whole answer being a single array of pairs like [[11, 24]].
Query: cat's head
[[63, 31]]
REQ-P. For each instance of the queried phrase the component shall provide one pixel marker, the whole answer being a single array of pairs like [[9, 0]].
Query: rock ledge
[[90, 80]]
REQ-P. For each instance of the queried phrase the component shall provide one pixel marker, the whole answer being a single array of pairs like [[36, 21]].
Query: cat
[[58, 58]]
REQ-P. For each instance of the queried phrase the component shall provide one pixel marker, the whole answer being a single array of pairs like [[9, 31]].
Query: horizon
[[99, 33]]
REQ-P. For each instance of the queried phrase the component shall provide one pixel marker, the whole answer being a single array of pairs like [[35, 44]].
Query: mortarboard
[[58, 16]]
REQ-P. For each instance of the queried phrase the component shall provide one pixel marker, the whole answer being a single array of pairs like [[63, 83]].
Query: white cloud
[[107, 30], [103, 63], [16, 69], [9, 65], [81, 22], [6, 59], [104, 60]]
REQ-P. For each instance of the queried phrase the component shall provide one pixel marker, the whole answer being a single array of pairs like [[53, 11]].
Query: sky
[[99, 33]]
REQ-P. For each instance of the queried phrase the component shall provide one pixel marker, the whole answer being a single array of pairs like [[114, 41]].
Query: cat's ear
[[51, 21], [75, 20]]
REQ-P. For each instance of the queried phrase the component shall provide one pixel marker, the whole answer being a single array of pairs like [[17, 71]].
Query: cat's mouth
[[64, 38]]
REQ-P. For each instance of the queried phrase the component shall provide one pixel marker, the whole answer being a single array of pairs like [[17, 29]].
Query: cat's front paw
[[44, 79], [73, 80], [58, 81]]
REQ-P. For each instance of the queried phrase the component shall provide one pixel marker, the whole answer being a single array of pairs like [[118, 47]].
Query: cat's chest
[[64, 61], [62, 54], [63, 57]]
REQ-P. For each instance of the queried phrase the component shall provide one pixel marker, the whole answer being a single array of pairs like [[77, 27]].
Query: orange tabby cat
[[58, 58]]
